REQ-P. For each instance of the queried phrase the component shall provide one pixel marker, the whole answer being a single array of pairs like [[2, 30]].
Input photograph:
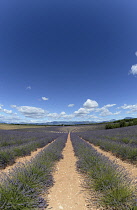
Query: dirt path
[[129, 168], [67, 192], [23, 159]]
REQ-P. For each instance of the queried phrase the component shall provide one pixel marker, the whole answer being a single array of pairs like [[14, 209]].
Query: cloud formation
[[132, 108], [133, 69], [31, 112], [90, 104], [45, 99], [104, 111], [81, 112], [71, 105], [109, 105], [62, 115], [28, 88], [5, 110], [10, 118], [89, 111]]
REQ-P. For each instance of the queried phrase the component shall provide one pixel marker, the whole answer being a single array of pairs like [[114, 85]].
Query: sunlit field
[[11, 127], [22, 187]]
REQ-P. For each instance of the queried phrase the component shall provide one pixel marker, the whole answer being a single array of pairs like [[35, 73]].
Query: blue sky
[[68, 60]]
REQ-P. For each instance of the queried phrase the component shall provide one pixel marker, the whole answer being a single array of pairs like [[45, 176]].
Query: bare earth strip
[[67, 192], [129, 168], [24, 159]]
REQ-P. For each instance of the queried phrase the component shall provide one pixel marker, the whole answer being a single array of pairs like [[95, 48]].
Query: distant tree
[[122, 123]]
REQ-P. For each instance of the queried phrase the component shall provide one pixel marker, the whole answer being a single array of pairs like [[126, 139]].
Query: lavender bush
[[23, 143], [18, 137], [104, 176], [21, 189], [122, 142]]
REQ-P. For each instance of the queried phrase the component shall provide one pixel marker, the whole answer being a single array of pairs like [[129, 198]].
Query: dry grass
[[12, 127]]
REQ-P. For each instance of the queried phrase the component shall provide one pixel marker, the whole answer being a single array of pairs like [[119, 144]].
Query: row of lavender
[[122, 142], [19, 143], [18, 137], [111, 183], [21, 189]]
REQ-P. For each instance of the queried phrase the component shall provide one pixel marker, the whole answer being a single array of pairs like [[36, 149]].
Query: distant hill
[[68, 122]]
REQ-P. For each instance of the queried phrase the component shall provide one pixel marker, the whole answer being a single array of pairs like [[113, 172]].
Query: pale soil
[[23, 160], [67, 191], [128, 167]]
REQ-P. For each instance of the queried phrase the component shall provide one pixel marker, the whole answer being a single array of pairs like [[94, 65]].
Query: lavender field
[[112, 184], [22, 187], [122, 142], [17, 143]]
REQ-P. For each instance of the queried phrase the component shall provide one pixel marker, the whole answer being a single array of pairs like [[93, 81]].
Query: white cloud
[[92, 117], [81, 112], [53, 115], [125, 106], [9, 119], [64, 116], [132, 108], [71, 105], [45, 99], [13, 106], [56, 116], [117, 113], [90, 104], [133, 69], [7, 111], [68, 117], [105, 112], [28, 88], [109, 105], [63, 113], [1, 107], [31, 112], [136, 53]]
